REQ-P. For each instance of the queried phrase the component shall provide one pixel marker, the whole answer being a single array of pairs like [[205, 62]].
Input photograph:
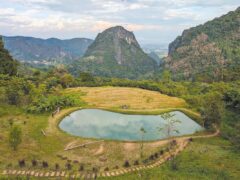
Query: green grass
[[204, 159]]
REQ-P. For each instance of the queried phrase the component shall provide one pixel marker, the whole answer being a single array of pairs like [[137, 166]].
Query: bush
[[81, 168], [57, 166], [126, 164], [44, 164], [106, 169], [94, 169], [151, 157], [51, 102], [15, 137], [34, 162], [136, 163], [21, 163], [68, 166], [161, 152]]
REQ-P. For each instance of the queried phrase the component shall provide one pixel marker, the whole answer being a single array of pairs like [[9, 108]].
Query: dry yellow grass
[[133, 98]]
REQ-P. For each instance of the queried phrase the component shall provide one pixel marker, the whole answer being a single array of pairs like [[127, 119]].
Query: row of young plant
[[69, 165]]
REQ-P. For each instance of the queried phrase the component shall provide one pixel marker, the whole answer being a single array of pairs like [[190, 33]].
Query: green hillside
[[208, 52], [115, 53]]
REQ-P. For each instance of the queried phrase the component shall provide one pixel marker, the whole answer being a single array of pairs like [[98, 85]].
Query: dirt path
[[99, 151]]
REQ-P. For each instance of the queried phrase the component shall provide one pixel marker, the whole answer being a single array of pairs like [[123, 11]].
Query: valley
[[117, 105]]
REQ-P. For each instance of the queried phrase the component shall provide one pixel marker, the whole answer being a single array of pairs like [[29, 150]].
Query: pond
[[101, 124]]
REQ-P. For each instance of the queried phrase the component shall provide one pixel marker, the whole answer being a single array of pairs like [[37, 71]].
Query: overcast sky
[[152, 21]]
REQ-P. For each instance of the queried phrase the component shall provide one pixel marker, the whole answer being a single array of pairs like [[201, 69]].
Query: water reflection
[[94, 123]]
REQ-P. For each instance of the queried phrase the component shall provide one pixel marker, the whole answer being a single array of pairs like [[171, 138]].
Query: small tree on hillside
[[169, 128], [15, 137], [142, 131]]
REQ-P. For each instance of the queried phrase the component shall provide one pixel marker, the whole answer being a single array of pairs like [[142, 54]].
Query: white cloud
[[64, 18]]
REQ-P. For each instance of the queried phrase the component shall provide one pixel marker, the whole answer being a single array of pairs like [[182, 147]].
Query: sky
[[152, 21]]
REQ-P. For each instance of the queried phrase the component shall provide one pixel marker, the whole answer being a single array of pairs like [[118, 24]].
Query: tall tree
[[170, 129], [7, 64], [212, 110]]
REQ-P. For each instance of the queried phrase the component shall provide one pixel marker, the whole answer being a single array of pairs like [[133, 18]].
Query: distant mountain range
[[48, 51], [208, 52], [115, 53]]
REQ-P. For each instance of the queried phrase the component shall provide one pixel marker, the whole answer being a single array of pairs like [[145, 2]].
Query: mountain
[[154, 56], [208, 52], [115, 53], [7, 64], [49, 51]]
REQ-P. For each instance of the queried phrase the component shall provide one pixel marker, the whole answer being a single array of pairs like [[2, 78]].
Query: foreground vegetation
[[30, 138], [203, 159]]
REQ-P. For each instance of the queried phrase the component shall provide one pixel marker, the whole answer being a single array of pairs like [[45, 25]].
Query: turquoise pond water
[[101, 124]]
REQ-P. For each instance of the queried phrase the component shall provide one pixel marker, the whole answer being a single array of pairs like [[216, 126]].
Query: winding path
[[182, 143]]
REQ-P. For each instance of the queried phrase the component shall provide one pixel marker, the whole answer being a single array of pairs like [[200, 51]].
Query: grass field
[[204, 159], [132, 98], [50, 148]]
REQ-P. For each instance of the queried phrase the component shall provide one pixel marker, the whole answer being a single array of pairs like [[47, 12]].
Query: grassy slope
[[134, 98], [205, 159], [36, 146]]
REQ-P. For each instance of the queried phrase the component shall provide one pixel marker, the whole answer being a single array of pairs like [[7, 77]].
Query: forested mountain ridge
[[50, 51], [208, 52], [7, 64], [115, 53]]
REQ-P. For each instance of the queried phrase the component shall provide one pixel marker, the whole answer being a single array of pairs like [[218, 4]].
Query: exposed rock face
[[116, 53], [209, 52], [116, 35]]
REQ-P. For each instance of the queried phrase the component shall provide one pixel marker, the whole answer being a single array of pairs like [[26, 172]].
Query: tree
[[66, 80], [7, 64], [86, 77], [15, 137], [212, 110], [166, 76], [170, 124], [169, 129], [142, 131]]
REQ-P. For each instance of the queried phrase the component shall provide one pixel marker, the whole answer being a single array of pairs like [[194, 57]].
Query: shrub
[[50, 103], [34, 162], [68, 166], [57, 166], [126, 164], [116, 167], [21, 163], [156, 155], [161, 152], [136, 163], [106, 169], [81, 168], [15, 137], [44, 164], [95, 170], [151, 157]]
